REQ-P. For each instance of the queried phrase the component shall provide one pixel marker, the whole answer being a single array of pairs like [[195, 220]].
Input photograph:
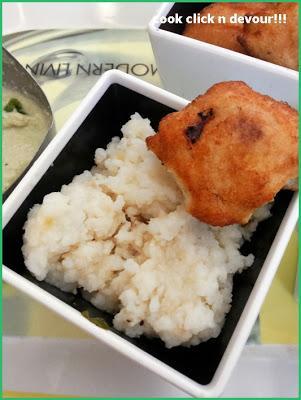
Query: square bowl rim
[[251, 309], [154, 30]]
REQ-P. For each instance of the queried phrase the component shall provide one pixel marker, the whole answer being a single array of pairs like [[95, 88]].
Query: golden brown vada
[[222, 34], [274, 42], [231, 150]]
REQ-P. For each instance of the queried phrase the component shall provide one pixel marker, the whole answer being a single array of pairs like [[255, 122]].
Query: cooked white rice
[[120, 233]]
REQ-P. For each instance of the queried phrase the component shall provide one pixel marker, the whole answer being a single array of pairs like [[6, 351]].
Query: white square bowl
[[189, 67], [202, 370]]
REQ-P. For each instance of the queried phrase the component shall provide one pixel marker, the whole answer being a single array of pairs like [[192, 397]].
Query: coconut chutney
[[24, 127]]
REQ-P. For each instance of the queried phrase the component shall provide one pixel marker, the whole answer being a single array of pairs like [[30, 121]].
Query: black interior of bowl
[[111, 112], [184, 10]]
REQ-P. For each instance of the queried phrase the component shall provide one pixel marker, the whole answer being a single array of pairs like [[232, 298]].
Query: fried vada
[[274, 42], [231, 150], [222, 34]]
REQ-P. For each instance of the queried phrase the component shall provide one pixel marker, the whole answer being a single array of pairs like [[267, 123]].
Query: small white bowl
[[202, 370], [189, 67]]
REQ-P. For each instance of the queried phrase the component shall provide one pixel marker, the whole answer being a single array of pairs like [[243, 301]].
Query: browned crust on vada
[[225, 34], [274, 42], [246, 151]]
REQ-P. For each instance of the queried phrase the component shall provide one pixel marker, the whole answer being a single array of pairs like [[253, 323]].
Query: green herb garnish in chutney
[[14, 104]]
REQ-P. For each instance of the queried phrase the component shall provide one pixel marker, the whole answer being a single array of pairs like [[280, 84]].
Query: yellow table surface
[[279, 314]]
